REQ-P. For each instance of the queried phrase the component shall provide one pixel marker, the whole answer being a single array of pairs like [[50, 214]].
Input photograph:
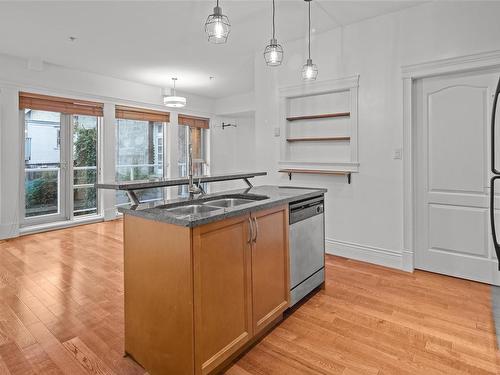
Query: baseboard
[[110, 214], [369, 254], [8, 231], [408, 263], [59, 225]]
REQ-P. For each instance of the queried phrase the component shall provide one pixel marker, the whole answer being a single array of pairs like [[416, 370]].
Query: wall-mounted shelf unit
[[319, 124], [317, 139], [317, 117], [316, 171]]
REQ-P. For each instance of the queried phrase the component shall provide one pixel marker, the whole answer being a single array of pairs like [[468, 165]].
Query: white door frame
[[410, 73], [64, 184]]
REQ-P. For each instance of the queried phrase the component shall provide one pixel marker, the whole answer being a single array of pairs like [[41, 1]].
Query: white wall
[[59, 81], [233, 149], [236, 104], [364, 219]]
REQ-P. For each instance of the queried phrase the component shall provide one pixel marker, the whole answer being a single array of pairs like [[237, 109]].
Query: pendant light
[[173, 100], [273, 54], [217, 26], [309, 70]]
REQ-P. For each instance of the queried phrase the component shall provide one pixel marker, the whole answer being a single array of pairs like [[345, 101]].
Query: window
[[199, 128], [60, 156], [140, 137]]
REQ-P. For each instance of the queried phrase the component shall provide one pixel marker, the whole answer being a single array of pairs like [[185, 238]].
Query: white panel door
[[452, 174]]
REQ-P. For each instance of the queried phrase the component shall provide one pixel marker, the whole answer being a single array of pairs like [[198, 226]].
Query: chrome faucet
[[193, 188]]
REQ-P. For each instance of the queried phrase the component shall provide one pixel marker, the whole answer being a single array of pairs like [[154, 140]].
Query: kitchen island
[[206, 277]]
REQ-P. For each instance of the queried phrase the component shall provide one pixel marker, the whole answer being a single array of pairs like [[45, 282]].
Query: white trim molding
[[410, 73], [364, 253], [452, 65], [319, 87]]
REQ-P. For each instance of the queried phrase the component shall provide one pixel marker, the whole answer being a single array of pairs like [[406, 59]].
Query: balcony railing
[[43, 190]]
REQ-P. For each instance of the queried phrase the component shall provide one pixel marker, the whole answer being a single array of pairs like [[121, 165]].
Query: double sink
[[206, 205]]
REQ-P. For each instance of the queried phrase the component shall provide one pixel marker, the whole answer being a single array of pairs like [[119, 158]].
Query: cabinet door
[[222, 291], [270, 266]]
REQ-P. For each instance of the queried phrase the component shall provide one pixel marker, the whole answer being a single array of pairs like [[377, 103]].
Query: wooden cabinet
[[222, 291], [270, 284], [230, 285]]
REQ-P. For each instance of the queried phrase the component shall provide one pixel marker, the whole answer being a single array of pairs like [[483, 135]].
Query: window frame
[[166, 159]]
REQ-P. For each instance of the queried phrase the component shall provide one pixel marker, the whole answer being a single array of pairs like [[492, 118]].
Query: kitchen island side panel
[[158, 296]]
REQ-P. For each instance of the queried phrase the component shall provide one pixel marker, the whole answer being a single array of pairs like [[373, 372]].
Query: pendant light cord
[[309, 44], [273, 20]]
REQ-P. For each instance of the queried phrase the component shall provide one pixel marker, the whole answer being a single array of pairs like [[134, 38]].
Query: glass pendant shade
[[309, 71], [217, 26], [273, 54]]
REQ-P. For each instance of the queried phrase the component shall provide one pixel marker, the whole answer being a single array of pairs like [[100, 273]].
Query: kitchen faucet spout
[[193, 188]]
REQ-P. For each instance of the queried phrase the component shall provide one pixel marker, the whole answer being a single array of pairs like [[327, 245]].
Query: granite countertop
[[269, 196]]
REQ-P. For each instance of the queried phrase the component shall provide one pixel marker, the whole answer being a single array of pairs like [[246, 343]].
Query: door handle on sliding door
[[492, 218]]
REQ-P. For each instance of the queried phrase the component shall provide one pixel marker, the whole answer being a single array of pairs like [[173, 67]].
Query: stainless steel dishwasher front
[[307, 247]]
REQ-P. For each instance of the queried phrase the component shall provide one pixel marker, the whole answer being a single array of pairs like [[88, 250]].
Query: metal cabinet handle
[[256, 229], [250, 230]]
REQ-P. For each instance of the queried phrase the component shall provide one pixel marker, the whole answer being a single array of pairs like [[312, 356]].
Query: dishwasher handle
[[306, 211]]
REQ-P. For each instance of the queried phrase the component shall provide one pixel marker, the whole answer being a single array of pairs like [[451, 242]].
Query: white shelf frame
[[346, 84]]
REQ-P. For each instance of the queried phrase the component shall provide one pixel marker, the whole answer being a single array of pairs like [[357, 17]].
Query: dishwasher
[[307, 247]]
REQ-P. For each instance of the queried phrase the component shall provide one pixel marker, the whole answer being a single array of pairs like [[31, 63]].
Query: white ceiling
[[152, 41]]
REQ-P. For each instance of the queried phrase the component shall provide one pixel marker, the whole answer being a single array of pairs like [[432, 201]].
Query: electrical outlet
[[277, 132], [398, 154]]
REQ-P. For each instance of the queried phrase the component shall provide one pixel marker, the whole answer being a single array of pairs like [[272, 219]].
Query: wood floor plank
[[61, 312], [4, 370], [55, 350], [40, 361], [15, 360], [86, 358]]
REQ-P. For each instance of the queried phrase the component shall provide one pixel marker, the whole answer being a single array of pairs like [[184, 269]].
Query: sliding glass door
[[85, 147], [44, 166], [60, 166]]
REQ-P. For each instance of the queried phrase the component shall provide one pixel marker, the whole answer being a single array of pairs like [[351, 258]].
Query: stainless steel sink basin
[[234, 200], [213, 203], [228, 202], [191, 209]]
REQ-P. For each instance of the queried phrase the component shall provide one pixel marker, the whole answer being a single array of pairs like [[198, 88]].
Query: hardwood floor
[[61, 311]]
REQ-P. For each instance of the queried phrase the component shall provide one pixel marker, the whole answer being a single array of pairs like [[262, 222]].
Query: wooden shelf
[[317, 171], [315, 117], [316, 139]]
